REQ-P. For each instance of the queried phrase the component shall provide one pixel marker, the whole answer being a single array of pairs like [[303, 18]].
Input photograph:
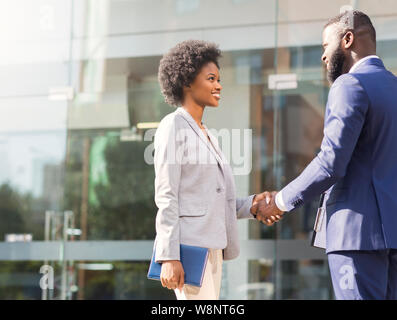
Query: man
[[357, 165]]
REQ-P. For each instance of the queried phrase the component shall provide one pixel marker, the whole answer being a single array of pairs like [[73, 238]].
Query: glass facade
[[80, 102]]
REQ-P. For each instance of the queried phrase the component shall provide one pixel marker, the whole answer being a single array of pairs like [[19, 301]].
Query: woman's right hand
[[172, 274]]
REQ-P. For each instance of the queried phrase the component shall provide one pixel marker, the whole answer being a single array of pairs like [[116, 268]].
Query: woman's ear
[[186, 89]]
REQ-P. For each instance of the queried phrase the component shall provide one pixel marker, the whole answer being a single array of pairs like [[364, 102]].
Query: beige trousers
[[211, 286]]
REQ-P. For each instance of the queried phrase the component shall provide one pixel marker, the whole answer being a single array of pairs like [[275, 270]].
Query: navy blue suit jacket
[[357, 164]]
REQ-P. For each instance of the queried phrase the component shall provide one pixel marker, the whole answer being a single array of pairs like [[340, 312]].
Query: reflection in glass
[[261, 280], [85, 153], [306, 280], [104, 280]]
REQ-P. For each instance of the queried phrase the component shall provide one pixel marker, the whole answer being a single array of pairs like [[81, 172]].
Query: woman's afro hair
[[179, 67]]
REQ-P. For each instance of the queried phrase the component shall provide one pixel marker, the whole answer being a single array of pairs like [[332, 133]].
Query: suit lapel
[[226, 168], [186, 115], [214, 142]]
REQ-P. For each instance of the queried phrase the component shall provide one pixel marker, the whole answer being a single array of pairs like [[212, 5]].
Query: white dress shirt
[[279, 196], [354, 67]]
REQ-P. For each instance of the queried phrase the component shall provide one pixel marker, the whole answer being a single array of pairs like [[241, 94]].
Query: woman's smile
[[217, 95]]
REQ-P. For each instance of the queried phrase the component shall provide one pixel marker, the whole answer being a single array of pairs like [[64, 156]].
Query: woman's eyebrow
[[212, 74]]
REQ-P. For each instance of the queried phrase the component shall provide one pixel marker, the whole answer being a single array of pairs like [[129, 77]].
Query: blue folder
[[193, 259]]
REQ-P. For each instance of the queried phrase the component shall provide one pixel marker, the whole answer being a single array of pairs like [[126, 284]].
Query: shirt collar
[[362, 60]]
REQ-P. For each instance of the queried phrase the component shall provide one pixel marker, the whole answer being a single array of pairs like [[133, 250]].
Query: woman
[[194, 186]]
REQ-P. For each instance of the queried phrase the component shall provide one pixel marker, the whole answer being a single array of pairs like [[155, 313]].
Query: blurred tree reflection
[[20, 213], [121, 188], [12, 209], [125, 207]]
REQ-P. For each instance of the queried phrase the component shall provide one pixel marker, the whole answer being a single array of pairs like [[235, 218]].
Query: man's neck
[[354, 58], [361, 60]]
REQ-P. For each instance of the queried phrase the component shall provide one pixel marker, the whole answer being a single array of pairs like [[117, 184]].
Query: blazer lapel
[[186, 115], [226, 168], [214, 142]]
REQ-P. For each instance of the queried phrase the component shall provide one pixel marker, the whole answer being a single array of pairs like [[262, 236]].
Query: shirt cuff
[[280, 202]]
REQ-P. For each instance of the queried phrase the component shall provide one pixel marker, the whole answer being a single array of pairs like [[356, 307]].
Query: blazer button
[[218, 190]]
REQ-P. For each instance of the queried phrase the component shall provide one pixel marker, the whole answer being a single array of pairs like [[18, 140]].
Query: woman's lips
[[217, 95]]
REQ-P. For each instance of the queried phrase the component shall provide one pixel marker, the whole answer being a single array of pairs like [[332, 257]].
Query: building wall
[[79, 103]]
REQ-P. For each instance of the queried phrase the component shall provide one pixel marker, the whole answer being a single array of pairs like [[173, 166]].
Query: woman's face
[[205, 89]]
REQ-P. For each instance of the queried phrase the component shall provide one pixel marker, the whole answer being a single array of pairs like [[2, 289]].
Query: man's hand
[[264, 208], [172, 274], [261, 196]]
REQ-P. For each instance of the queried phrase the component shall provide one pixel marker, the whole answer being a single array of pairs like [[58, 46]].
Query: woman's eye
[[211, 78]]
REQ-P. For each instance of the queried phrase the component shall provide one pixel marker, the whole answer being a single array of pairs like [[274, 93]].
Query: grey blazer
[[194, 191]]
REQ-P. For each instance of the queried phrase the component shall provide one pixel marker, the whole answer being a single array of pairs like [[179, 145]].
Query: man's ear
[[348, 39]]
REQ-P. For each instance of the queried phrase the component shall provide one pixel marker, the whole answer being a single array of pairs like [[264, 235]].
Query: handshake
[[264, 208]]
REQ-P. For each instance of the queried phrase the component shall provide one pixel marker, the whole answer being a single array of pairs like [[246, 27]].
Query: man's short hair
[[351, 21], [180, 66]]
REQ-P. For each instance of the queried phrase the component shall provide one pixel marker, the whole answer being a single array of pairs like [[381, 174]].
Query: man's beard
[[336, 65]]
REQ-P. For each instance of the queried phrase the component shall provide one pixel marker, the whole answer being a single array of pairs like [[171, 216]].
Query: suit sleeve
[[243, 206], [345, 116], [167, 164]]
